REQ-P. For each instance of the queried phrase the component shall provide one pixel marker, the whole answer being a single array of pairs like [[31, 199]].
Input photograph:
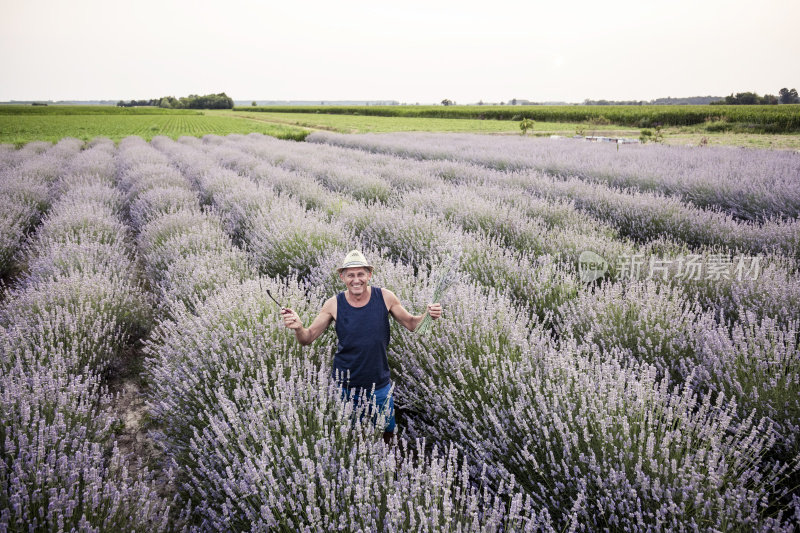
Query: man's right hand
[[291, 319]]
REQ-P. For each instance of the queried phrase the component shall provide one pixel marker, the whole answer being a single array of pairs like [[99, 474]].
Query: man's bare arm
[[406, 319], [306, 336]]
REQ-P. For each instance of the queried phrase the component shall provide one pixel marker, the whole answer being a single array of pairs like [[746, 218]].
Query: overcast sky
[[410, 51]]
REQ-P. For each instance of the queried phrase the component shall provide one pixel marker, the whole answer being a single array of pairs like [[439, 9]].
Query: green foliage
[[765, 118], [788, 96], [647, 135], [748, 98], [525, 125], [193, 101]]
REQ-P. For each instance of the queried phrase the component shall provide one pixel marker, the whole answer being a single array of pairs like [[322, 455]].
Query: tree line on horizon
[[785, 96], [193, 101]]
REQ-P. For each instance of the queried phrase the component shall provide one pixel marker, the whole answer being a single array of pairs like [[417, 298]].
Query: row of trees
[[193, 101], [785, 96]]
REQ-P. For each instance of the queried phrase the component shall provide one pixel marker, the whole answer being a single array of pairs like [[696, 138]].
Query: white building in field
[[618, 140]]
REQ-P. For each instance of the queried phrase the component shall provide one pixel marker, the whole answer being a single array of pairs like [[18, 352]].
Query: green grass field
[[380, 124], [22, 124]]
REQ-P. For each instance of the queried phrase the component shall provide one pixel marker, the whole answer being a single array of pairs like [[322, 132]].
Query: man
[[361, 313]]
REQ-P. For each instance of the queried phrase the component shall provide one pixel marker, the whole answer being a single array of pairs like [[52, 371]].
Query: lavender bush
[[640, 321], [85, 318], [757, 362], [55, 471], [334, 474], [83, 223], [139, 178], [289, 241], [581, 435], [159, 201], [540, 284]]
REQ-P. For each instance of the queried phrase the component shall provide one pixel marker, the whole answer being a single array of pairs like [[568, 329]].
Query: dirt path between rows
[[128, 387], [282, 122]]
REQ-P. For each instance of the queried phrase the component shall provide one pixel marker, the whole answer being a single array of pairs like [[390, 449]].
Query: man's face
[[356, 279]]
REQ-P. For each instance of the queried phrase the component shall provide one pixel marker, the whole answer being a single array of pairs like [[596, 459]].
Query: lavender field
[[655, 389]]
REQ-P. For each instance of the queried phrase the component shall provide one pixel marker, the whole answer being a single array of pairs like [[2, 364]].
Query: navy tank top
[[363, 341]]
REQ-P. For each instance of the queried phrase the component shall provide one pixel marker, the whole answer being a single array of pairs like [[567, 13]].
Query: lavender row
[[232, 155], [25, 192], [330, 169], [646, 216], [77, 306], [747, 184]]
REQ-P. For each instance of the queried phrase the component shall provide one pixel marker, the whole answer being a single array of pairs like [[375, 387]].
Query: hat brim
[[341, 269]]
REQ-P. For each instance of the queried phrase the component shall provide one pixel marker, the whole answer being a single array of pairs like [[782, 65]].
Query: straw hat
[[354, 259]]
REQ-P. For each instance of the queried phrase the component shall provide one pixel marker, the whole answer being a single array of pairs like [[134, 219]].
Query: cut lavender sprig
[[447, 277]]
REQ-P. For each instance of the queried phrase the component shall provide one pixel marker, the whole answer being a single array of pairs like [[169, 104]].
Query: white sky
[[410, 51]]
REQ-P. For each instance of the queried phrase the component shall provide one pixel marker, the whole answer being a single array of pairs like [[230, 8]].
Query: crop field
[[761, 118], [349, 123], [618, 349], [22, 124]]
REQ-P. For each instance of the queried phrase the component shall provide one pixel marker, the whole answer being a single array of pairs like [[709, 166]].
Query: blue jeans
[[383, 400]]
